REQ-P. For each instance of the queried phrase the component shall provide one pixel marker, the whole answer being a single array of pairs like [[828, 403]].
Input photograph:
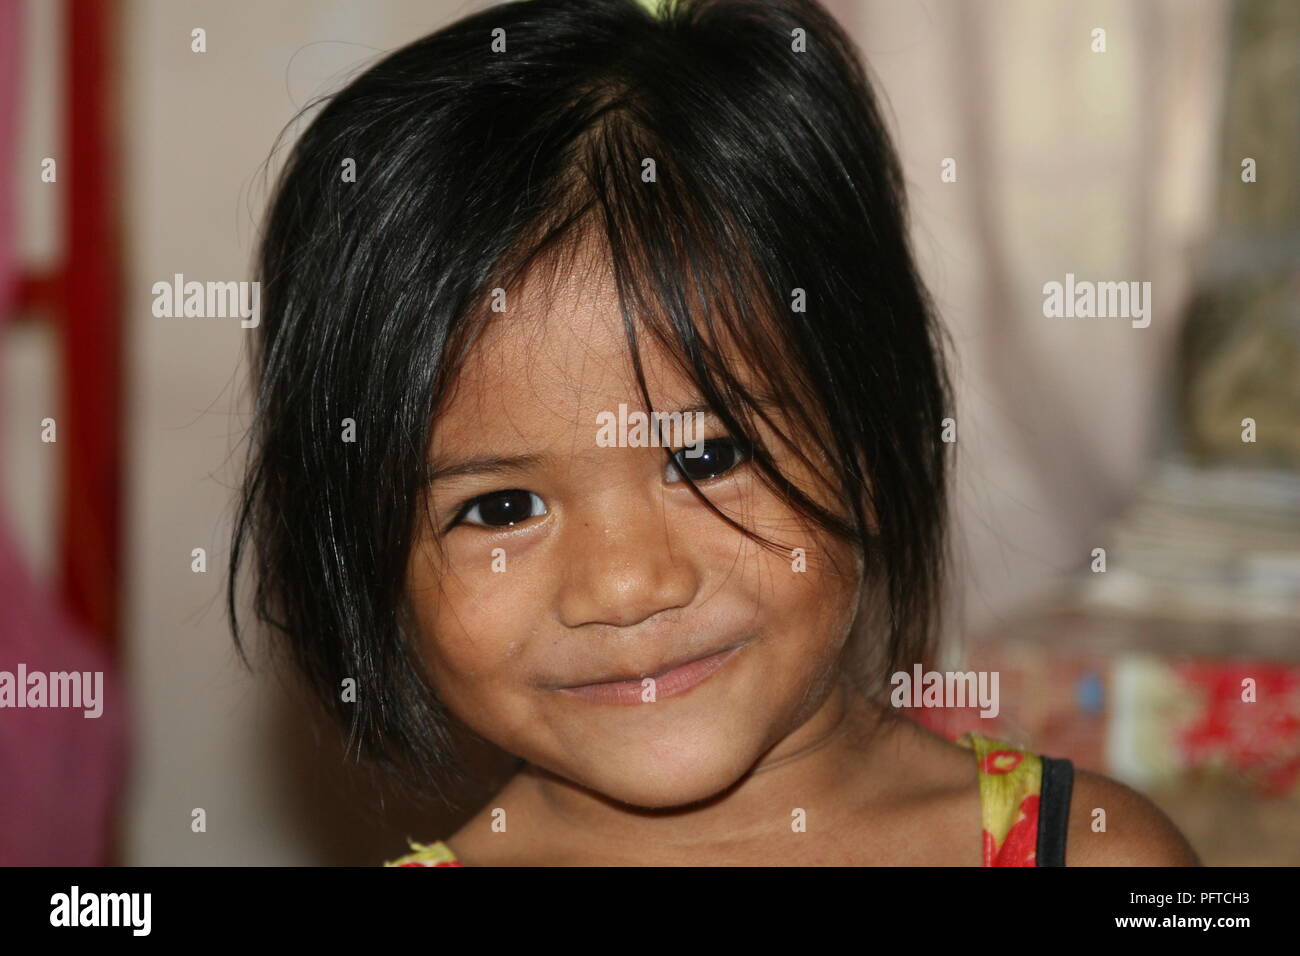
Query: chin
[[658, 781]]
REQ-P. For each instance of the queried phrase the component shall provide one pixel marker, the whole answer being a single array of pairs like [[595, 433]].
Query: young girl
[[599, 412]]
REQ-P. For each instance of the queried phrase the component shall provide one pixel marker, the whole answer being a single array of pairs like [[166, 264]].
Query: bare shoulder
[[1129, 830]]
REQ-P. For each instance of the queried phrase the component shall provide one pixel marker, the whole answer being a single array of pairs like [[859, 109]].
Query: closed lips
[[638, 676], [671, 681]]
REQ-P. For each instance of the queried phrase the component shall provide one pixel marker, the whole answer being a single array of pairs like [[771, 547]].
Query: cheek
[[804, 591], [474, 622], [803, 597], [809, 607]]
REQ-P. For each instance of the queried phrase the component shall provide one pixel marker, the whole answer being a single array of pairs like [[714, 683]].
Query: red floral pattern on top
[[1002, 761], [1020, 848], [1010, 782]]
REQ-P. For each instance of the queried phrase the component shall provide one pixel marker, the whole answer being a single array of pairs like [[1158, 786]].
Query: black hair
[[775, 180]]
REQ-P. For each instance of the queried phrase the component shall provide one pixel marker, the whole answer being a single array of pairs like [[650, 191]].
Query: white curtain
[[1069, 160]]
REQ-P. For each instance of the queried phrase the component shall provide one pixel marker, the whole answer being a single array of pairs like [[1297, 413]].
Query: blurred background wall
[[1114, 165]]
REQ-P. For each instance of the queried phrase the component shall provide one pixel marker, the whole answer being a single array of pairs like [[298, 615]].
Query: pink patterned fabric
[[60, 771]]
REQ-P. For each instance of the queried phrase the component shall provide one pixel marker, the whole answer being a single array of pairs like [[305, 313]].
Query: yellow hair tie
[[651, 7]]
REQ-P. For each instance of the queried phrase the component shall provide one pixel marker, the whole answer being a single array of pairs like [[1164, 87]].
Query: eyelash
[[742, 455]]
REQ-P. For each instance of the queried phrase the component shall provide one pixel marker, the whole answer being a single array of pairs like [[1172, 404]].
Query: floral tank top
[[1024, 808]]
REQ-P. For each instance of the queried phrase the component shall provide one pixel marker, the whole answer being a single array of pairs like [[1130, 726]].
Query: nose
[[623, 564]]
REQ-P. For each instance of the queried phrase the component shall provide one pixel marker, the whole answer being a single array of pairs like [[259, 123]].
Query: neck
[[824, 766]]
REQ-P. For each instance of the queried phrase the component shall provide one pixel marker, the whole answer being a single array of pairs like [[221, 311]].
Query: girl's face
[[538, 633]]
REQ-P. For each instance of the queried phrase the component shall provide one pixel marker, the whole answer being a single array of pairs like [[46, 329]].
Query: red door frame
[[84, 297]]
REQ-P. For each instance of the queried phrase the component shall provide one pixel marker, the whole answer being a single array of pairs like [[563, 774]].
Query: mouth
[[673, 681]]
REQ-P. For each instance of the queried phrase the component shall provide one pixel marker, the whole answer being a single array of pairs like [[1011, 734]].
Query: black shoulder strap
[[1054, 811]]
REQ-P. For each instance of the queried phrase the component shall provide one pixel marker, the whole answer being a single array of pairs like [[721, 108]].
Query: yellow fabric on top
[[1010, 781], [431, 854]]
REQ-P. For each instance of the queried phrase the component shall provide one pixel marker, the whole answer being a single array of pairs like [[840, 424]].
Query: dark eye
[[501, 509], [717, 457]]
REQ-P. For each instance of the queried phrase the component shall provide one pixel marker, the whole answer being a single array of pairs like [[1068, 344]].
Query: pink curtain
[[60, 770]]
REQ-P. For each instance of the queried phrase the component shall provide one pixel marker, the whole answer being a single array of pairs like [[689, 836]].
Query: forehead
[[555, 358]]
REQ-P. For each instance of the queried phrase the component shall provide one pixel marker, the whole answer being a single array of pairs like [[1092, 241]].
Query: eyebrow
[[504, 464], [487, 465]]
